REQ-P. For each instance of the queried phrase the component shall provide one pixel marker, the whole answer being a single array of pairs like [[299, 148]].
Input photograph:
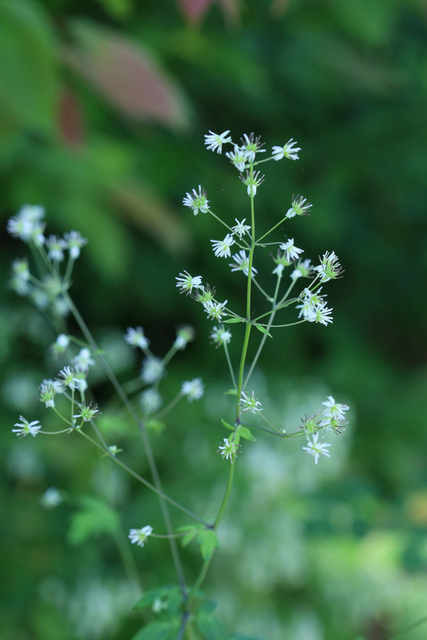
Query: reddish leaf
[[70, 119], [126, 75]]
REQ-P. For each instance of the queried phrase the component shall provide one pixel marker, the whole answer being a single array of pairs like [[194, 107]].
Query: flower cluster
[[332, 418]]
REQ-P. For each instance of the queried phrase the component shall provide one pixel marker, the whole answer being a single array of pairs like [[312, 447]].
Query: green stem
[[230, 366], [226, 497], [143, 480]]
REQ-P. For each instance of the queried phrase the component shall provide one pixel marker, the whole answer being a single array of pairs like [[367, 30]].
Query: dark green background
[[333, 552]]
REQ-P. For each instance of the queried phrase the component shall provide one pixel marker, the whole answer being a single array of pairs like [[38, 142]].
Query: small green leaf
[[206, 608], [169, 593], [231, 392], [262, 329], [234, 320], [246, 434], [208, 542], [210, 627], [227, 426], [166, 630], [192, 531], [93, 518]]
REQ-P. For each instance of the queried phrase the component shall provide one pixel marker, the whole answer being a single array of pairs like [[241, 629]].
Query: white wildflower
[[249, 403], [152, 370], [292, 252], [187, 283], [220, 335], [139, 536], [228, 450], [221, 248], [24, 427], [83, 360], [74, 242], [184, 335], [55, 248], [136, 338], [334, 410], [316, 448], [300, 206], [214, 141], [241, 263], [215, 310], [51, 498], [329, 267], [240, 229], [288, 151], [150, 401], [196, 201], [237, 157], [193, 389]]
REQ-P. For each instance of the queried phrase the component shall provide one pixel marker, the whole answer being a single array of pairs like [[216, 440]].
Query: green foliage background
[[103, 107]]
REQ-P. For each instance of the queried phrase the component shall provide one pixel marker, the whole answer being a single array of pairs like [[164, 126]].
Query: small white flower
[[329, 267], [288, 151], [114, 450], [299, 207], [62, 341], [249, 403], [240, 229], [56, 248], [316, 448], [320, 314], [20, 277], [237, 157], [214, 141], [187, 283], [184, 336], [139, 536], [193, 389], [292, 252], [215, 310], [69, 379], [309, 302], [136, 338], [302, 270], [83, 361], [56, 384], [241, 263], [251, 146], [87, 413], [74, 242], [27, 224], [221, 248], [228, 450], [80, 382], [152, 370], [252, 182], [220, 335], [51, 498], [196, 201], [24, 427], [47, 394], [335, 410], [150, 401]]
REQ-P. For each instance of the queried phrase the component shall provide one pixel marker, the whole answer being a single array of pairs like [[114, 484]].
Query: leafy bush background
[[103, 106]]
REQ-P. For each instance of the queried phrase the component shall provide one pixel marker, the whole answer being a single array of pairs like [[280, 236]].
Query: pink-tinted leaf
[[126, 75], [70, 119], [194, 10]]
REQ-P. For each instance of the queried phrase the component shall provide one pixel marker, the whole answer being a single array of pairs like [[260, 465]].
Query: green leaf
[[168, 593], [245, 434], [234, 320], [231, 392], [29, 80], [210, 627], [94, 518], [227, 426], [206, 608], [164, 630], [208, 542], [262, 329]]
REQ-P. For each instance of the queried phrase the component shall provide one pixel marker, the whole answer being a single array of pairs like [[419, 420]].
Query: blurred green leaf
[[159, 631], [208, 542], [28, 74], [94, 518]]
